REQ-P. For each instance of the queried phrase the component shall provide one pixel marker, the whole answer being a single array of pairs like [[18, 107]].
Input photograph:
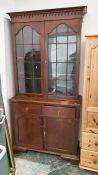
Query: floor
[[33, 163]]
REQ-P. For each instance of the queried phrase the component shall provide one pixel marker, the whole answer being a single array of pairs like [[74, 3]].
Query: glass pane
[[71, 71], [21, 85], [51, 70], [71, 32], [20, 67], [37, 70], [52, 52], [19, 52], [29, 75], [70, 88], [52, 86], [61, 87], [62, 29], [61, 39], [36, 37], [28, 68], [61, 70], [52, 37], [28, 54], [61, 52], [37, 85], [71, 38], [71, 52], [19, 37], [27, 35], [62, 33], [29, 85], [36, 53]]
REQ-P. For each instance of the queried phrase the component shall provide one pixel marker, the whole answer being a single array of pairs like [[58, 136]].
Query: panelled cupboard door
[[60, 134], [28, 131], [90, 101], [27, 125], [62, 43], [28, 40]]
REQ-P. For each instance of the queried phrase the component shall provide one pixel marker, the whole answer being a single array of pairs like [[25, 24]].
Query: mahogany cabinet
[[46, 53]]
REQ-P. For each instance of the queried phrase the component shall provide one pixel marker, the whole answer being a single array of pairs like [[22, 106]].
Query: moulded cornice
[[60, 13]]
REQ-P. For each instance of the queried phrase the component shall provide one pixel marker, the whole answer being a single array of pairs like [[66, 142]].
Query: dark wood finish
[[27, 126], [50, 14], [43, 122], [39, 27], [57, 137], [58, 122], [54, 111]]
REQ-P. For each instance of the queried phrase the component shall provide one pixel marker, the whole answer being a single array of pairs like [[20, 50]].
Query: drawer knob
[[94, 161], [96, 143], [26, 109]]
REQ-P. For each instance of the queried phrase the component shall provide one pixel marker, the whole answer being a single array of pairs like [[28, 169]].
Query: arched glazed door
[[29, 58], [61, 59]]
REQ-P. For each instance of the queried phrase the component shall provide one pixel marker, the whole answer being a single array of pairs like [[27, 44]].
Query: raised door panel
[[27, 125], [60, 135], [28, 131], [90, 97], [93, 91], [92, 122]]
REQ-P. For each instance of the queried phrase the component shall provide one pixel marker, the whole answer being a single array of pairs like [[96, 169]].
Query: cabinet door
[[90, 102], [62, 51], [28, 53], [61, 135], [60, 126], [27, 127]]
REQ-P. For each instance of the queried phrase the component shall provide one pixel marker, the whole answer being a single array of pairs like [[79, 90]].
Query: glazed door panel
[[62, 44], [28, 41], [60, 134]]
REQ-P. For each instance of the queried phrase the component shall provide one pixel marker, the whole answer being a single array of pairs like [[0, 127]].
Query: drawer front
[[89, 159], [92, 124], [59, 111], [89, 141], [27, 108]]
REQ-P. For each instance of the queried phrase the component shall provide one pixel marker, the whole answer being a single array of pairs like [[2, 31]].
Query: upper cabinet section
[[46, 47]]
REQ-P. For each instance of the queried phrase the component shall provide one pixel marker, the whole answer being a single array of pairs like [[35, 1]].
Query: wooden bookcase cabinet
[[45, 110]]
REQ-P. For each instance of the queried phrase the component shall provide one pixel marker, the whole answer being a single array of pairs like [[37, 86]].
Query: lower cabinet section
[[43, 127]]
